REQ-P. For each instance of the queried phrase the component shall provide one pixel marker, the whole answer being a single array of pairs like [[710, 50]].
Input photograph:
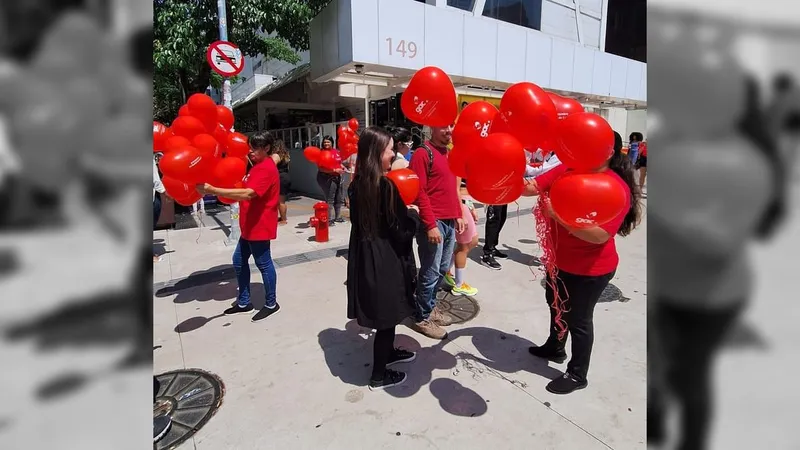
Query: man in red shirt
[[258, 221], [441, 214]]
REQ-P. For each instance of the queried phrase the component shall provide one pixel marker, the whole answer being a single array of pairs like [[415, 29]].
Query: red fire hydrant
[[320, 222]]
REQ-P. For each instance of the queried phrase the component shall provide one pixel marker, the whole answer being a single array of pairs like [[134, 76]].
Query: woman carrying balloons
[[330, 180], [584, 254], [381, 271], [280, 156]]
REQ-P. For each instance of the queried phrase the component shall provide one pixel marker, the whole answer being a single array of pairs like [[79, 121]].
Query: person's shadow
[[348, 354]]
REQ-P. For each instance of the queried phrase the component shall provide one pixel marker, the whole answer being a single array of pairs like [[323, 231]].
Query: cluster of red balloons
[[198, 148], [348, 146], [489, 143]]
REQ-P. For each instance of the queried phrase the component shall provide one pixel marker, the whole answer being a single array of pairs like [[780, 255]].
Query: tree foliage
[[183, 30]]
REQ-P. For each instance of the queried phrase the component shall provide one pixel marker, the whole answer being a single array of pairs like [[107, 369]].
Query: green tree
[[183, 30]]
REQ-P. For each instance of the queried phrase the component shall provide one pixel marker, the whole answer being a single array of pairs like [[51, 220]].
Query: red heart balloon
[[473, 124], [565, 106], [228, 172], [175, 188], [585, 141], [225, 117], [176, 143], [349, 149], [353, 124], [329, 159], [186, 165], [187, 127], [430, 98], [527, 113], [457, 159], [202, 107], [585, 200], [183, 111], [312, 154], [160, 135], [221, 135], [207, 146], [189, 200], [500, 162], [502, 195], [237, 145], [407, 182]]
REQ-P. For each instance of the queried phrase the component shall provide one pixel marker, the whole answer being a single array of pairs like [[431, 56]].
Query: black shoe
[[548, 354], [161, 426], [565, 384], [236, 309], [498, 254], [400, 356], [266, 312], [390, 378], [490, 262], [339, 220]]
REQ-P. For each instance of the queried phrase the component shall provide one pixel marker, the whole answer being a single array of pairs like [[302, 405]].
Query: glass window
[[466, 5], [527, 13]]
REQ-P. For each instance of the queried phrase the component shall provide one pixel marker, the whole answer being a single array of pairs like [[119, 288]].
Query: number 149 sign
[[401, 48]]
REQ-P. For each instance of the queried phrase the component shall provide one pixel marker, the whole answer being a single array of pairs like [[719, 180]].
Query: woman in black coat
[[381, 271]]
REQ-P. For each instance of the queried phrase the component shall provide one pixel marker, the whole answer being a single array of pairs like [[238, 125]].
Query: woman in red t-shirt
[[641, 164], [587, 261]]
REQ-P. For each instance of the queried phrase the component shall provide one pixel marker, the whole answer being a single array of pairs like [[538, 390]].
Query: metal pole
[[233, 237]]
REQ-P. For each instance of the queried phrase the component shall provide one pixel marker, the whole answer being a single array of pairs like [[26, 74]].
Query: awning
[[290, 77]]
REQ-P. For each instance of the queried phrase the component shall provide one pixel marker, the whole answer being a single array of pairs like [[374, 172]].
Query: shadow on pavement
[[195, 323], [348, 354]]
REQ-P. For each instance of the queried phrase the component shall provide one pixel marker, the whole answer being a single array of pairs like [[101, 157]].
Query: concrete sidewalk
[[298, 380]]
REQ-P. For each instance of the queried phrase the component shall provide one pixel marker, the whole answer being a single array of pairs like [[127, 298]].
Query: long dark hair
[[753, 126], [367, 181], [621, 165]]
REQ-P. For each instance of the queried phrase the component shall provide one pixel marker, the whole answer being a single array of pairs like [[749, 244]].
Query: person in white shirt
[[158, 188]]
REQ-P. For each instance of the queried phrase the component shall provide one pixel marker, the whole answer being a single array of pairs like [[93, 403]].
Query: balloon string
[[548, 259], [518, 221], [200, 215]]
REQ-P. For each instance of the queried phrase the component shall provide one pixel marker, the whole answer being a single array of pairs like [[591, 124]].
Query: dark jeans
[[156, 209], [260, 250], [382, 349], [684, 342], [495, 219], [581, 293], [333, 188]]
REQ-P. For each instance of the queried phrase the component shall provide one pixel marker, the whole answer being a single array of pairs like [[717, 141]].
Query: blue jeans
[[634, 155], [260, 250], [434, 261]]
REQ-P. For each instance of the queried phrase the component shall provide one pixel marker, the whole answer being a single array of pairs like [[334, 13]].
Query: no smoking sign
[[225, 58]]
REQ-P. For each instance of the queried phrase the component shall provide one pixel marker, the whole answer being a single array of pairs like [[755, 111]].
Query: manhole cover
[[190, 397], [460, 308]]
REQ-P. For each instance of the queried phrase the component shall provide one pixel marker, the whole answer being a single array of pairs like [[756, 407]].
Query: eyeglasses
[[408, 144]]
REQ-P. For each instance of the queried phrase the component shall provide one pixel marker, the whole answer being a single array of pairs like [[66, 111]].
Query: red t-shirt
[[643, 149], [438, 196], [258, 218], [574, 255]]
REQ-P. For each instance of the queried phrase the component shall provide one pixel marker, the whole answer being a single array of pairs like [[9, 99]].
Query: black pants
[[156, 209], [582, 293], [495, 219], [683, 343], [383, 347], [333, 188]]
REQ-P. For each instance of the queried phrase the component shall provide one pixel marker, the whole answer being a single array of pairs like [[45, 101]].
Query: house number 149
[[406, 49]]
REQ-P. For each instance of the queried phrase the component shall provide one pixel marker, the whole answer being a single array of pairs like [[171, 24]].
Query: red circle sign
[[225, 58]]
